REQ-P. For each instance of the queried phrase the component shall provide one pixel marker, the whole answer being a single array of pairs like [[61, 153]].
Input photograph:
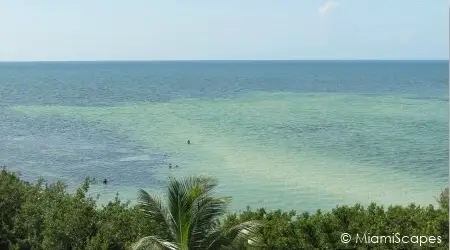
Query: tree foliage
[[45, 216], [191, 218]]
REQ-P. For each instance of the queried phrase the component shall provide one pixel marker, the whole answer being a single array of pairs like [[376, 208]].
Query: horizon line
[[217, 60]]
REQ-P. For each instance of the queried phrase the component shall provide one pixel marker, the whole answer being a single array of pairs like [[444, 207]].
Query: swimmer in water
[[170, 165], [189, 142], [105, 181]]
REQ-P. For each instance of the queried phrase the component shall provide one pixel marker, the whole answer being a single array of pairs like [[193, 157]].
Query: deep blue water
[[109, 83]]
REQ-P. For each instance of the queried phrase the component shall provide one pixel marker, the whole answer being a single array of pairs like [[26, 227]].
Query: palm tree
[[191, 219]]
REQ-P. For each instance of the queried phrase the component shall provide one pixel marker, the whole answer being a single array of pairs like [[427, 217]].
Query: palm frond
[[192, 218], [245, 232], [205, 217], [204, 183], [152, 207], [184, 198], [154, 243], [238, 235], [180, 206]]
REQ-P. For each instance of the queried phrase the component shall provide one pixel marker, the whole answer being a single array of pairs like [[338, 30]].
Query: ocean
[[301, 135]]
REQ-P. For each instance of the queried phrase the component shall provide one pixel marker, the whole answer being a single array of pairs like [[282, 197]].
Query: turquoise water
[[290, 135]]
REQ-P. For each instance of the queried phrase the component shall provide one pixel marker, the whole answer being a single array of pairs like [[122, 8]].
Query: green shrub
[[45, 216]]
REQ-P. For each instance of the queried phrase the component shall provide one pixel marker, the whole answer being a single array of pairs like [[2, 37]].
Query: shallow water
[[283, 142]]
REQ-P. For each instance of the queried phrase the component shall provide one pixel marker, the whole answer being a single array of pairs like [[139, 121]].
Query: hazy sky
[[229, 29]]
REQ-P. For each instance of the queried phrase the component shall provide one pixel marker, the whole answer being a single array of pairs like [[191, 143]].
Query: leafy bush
[[45, 216], [287, 230]]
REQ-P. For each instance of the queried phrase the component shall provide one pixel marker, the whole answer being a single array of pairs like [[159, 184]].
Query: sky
[[52, 30]]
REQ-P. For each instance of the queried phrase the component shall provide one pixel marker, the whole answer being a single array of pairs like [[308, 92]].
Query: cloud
[[327, 8], [323, 13]]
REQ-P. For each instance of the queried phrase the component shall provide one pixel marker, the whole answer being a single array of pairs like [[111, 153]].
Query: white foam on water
[[136, 158]]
